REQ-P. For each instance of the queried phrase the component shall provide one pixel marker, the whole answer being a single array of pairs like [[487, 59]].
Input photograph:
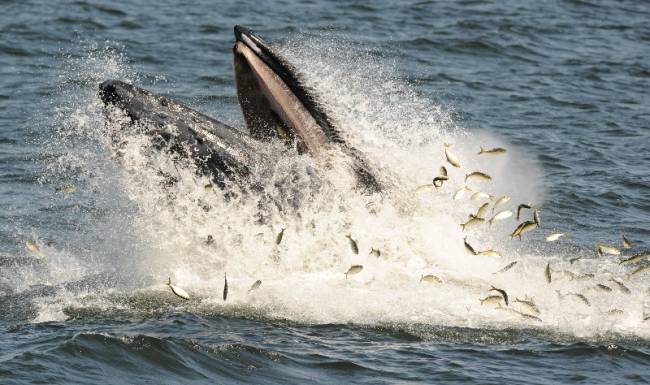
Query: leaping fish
[[478, 175], [451, 158], [354, 269], [177, 290], [255, 285], [492, 151], [225, 286], [506, 267], [501, 215], [33, 247]]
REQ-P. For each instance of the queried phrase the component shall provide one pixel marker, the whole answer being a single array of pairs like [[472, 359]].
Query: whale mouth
[[274, 102]]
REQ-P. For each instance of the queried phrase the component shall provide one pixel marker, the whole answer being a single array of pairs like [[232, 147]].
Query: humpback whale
[[276, 105]]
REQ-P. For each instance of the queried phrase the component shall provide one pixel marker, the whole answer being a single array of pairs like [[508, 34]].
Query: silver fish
[[581, 297], [478, 175], [530, 305], [460, 193], [604, 248], [554, 237], [480, 213], [491, 300], [471, 223], [451, 158], [523, 229], [225, 286], [621, 286], [603, 287], [430, 278], [547, 273], [503, 200], [639, 270], [502, 292], [469, 247], [354, 269], [490, 253], [634, 258], [255, 285], [443, 171], [506, 267], [177, 290], [353, 244], [33, 247], [492, 151], [375, 252], [278, 237], [501, 215], [481, 195]]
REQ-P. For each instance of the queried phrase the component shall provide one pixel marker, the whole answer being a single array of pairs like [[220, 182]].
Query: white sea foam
[[149, 231]]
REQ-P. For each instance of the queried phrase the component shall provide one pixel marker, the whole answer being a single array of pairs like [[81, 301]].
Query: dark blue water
[[563, 84]]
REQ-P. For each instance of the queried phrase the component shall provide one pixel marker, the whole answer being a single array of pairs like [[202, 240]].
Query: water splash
[[141, 228]]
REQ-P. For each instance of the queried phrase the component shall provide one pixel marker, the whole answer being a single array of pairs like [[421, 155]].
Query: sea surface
[[563, 86]]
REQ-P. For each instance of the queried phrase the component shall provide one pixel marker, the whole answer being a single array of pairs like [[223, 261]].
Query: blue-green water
[[562, 85]]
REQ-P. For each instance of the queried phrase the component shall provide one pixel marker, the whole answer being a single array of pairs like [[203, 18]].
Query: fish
[[639, 270], [502, 292], [615, 312], [208, 187], [68, 189], [604, 248], [547, 273], [492, 151], [177, 290], [583, 277], [530, 305], [255, 285], [574, 259], [469, 247], [225, 286], [503, 200], [536, 217], [491, 300], [210, 240], [523, 206], [460, 193], [354, 269], [430, 278], [424, 188], [506, 267], [480, 213], [33, 247], [472, 222], [582, 298], [478, 175], [523, 228], [501, 215], [603, 287], [278, 238], [490, 253], [375, 252], [451, 158], [626, 243], [439, 180], [621, 286], [634, 258], [481, 195], [554, 237], [443, 171], [353, 244]]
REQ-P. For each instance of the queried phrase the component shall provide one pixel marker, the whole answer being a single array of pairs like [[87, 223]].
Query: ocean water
[[562, 85]]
